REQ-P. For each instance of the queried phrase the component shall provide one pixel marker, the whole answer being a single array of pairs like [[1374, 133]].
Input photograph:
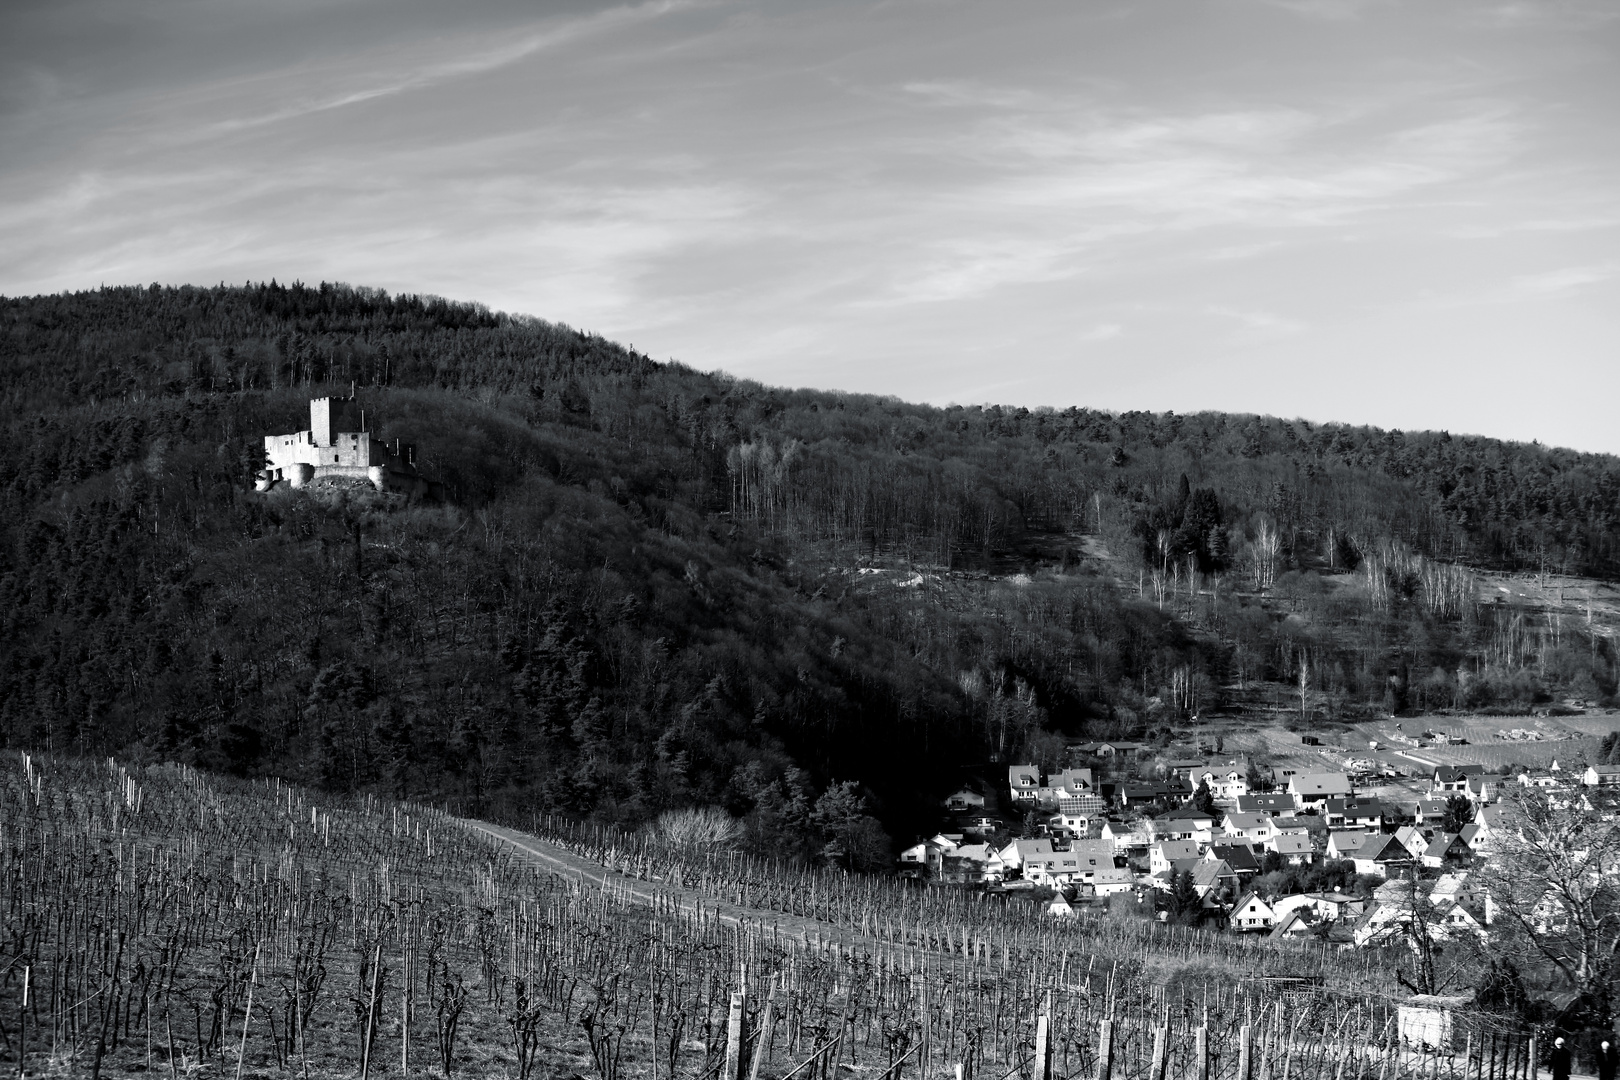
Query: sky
[[1369, 211]]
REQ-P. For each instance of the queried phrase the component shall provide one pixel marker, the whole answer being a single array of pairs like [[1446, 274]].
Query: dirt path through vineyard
[[550, 856]]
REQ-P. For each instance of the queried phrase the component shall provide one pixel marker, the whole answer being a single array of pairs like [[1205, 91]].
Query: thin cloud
[[1566, 279]]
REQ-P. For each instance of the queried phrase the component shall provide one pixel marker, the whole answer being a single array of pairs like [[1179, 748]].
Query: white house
[[1251, 914], [1092, 858], [1112, 880], [968, 864], [1446, 848], [1292, 925], [1413, 841], [1226, 783], [1380, 855], [1452, 779], [1072, 783], [1483, 788], [1366, 814], [1331, 906], [1166, 853], [1252, 828], [1078, 812], [1127, 837], [964, 799], [1273, 803], [929, 855], [1294, 846], [1024, 781], [1314, 789], [1601, 776], [1187, 823], [1345, 844]]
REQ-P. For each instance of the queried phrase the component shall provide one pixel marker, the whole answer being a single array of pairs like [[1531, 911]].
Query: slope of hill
[[166, 921], [653, 586]]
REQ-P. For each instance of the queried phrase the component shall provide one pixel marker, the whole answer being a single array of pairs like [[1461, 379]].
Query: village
[[1345, 856]]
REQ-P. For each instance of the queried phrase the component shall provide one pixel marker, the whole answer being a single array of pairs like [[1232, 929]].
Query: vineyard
[[162, 920]]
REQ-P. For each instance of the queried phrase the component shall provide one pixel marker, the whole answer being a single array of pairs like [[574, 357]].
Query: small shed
[[1426, 1019]]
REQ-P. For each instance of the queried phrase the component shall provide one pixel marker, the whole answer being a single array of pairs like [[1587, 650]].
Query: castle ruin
[[338, 446]]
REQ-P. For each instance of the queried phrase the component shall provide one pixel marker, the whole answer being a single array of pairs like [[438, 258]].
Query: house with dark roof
[[1187, 822], [1453, 779], [1292, 925], [1367, 814], [1447, 849], [1427, 813], [1163, 855], [1240, 857], [1382, 855], [1215, 881], [1277, 805]]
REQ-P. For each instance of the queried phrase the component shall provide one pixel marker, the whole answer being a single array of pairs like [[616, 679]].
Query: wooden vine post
[[762, 1044], [734, 1039], [1244, 1049], [1043, 1041], [1161, 1039], [1105, 1050], [1201, 1052]]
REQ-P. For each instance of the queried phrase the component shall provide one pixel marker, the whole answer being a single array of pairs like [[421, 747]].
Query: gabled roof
[[1250, 897], [1112, 875], [1237, 820], [1239, 857], [1324, 783], [1176, 849], [1028, 849], [1450, 774], [1444, 843], [1606, 770], [1211, 873], [1188, 813], [1348, 842], [1383, 848], [1291, 924], [1257, 804], [1101, 850], [1074, 780], [1354, 807], [1290, 843], [971, 852], [1024, 776]]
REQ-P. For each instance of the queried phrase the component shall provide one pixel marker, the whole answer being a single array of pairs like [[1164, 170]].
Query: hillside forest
[[651, 587]]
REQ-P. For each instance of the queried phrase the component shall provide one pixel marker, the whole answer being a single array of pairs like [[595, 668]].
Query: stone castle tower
[[338, 446]]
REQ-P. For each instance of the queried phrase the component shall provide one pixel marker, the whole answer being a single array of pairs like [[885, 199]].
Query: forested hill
[[647, 587]]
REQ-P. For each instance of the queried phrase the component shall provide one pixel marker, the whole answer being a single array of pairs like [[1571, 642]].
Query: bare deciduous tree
[[698, 827], [1556, 885]]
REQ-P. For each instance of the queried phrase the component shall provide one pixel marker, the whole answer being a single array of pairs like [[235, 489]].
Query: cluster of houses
[[1095, 839]]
